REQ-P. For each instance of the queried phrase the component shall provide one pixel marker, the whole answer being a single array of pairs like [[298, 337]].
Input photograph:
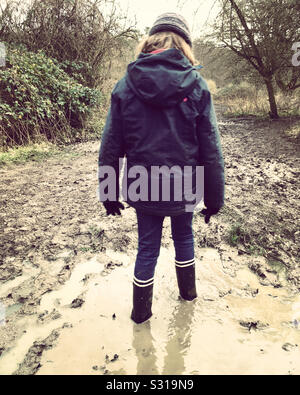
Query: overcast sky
[[197, 12]]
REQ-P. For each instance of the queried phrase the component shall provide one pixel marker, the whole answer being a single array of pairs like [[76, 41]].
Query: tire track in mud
[[53, 228]]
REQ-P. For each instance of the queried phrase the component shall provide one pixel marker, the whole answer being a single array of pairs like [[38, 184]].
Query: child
[[162, 118]]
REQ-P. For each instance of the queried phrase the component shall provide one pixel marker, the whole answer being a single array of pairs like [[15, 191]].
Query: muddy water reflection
[[143, 344], [176, 348], [180, 328]]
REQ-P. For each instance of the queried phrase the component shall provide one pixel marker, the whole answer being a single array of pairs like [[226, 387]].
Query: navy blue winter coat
[[162, 114]]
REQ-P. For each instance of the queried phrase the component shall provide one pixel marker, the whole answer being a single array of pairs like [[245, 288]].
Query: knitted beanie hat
[[171, 21]]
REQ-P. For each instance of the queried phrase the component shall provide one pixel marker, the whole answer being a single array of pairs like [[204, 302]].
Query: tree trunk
[[273, 106]]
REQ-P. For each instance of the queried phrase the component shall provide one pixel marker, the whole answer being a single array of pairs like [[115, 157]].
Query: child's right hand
[[208, 212]]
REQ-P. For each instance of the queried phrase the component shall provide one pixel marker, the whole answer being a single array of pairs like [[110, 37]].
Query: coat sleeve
[[111, 150], [210, 153]]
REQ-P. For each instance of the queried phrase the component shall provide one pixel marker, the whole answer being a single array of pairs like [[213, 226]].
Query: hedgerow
[[38, 98]]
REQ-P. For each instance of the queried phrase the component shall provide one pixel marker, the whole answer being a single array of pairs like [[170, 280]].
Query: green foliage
[[235, 234], [34, 152], [76, 70], [96, 240], [240, 235], [38, 97]]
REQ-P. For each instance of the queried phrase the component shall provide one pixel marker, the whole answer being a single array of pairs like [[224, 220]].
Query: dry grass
[[212, 86], [246, 99], [293, 132]]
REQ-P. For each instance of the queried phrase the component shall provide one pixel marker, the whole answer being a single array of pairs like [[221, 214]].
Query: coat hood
[[162, 79]]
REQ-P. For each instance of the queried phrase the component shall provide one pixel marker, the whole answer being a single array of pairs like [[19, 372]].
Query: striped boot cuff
[[190, 262], [143, 283]]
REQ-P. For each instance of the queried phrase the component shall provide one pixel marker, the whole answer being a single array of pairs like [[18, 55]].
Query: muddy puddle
[[66, 270], [235, 326]]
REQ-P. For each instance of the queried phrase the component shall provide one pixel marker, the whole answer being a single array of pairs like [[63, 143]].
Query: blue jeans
[[149, 232]]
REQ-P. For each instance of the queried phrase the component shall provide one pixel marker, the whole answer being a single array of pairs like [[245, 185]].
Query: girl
[[162, 119]]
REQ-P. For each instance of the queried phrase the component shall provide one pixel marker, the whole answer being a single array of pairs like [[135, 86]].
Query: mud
[[66, 271]]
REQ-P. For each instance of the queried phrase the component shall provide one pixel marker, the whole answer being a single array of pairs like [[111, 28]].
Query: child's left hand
[[113, 208]]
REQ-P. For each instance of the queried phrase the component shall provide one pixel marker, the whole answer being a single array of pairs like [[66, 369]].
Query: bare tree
[[262, 33]]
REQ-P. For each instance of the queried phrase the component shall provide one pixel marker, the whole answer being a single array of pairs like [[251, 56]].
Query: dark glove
[[113, 208], [208, 212]]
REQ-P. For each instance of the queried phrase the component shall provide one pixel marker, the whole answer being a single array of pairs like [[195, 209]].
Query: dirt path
[[66, 271]]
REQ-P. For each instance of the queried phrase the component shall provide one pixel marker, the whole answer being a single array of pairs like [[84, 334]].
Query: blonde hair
[[166, 40]]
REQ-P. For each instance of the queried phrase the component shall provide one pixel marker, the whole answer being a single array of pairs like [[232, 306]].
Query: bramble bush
[[59, 55], [38, 98], [81, 34]]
